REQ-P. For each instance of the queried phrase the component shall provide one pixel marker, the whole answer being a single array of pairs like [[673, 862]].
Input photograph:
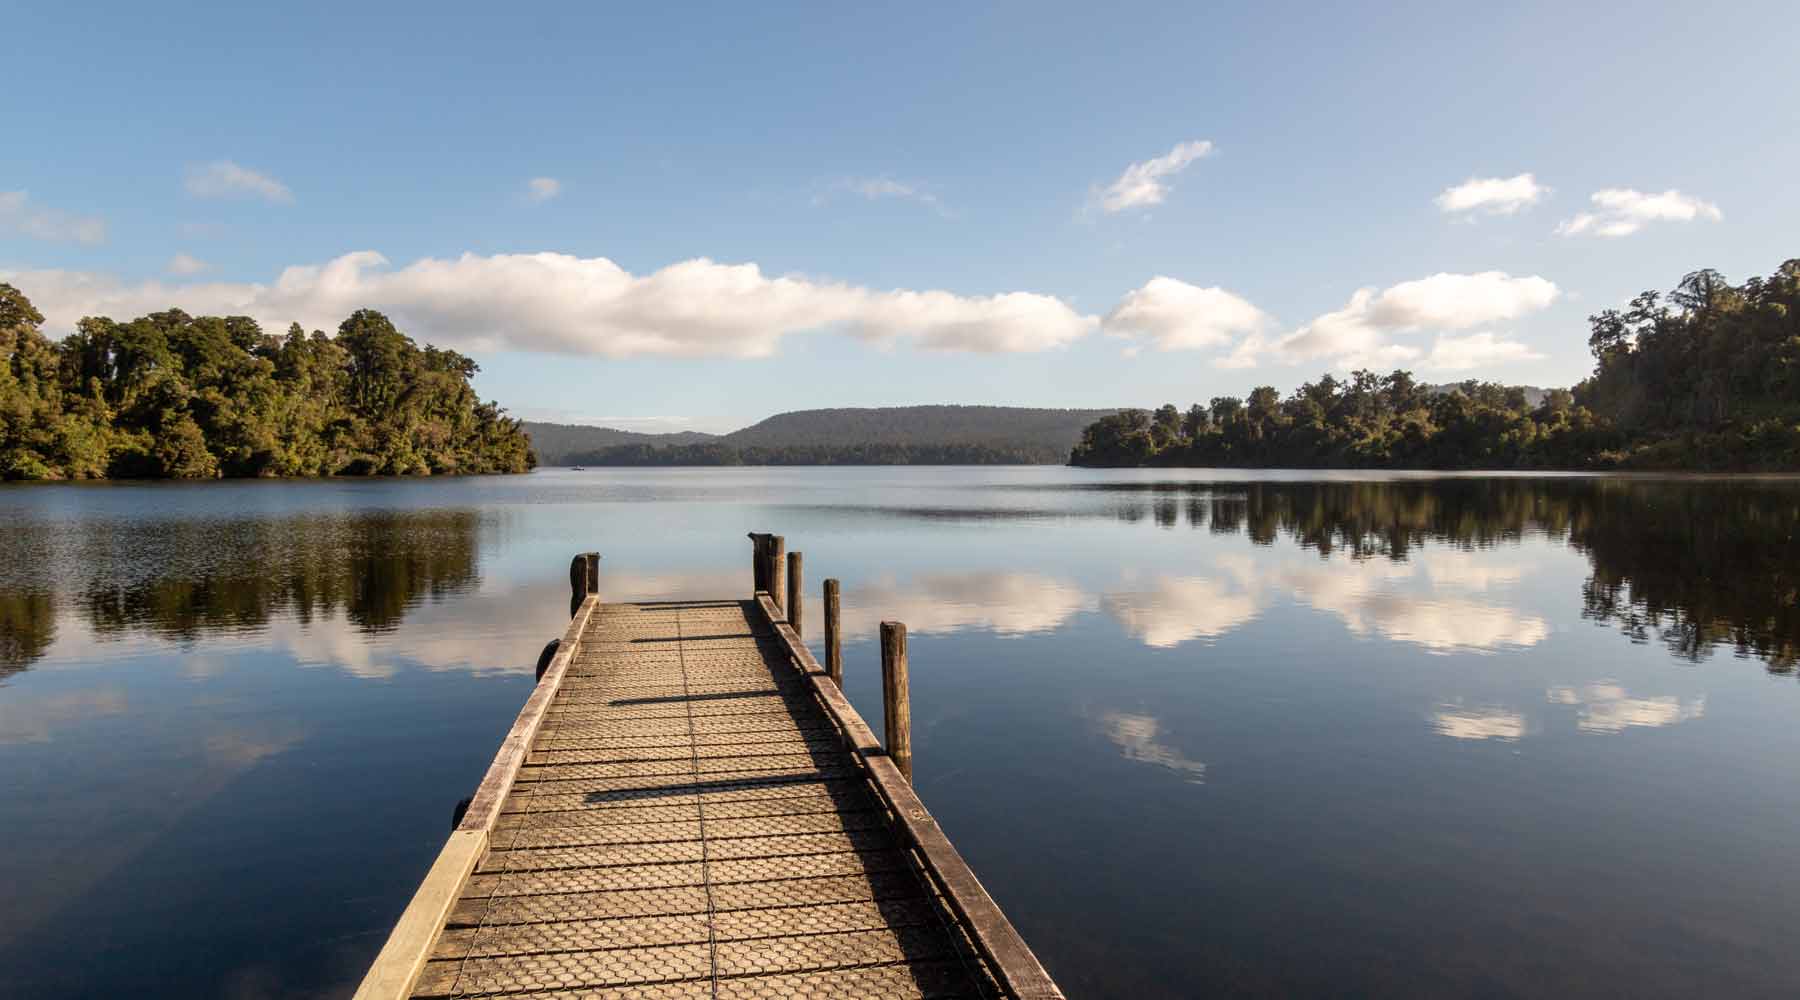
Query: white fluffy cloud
[[1491, 195], [225, 179], [573, 305], [1623, 211], [185, 264], [1477, 350], [1360, 332], [541, 189], [1144, 184], [1173, 315], [19, 215]]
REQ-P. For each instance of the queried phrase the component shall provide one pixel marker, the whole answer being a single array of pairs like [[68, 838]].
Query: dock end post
[[794, 586], [834, 636], [896, 697]]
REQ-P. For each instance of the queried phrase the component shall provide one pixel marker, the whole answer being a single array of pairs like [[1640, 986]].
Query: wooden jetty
[[688, 806]]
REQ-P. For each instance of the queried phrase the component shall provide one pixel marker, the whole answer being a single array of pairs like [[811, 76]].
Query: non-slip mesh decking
[[689, 824]]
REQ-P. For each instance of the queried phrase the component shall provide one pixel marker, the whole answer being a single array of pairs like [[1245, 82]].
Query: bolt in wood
[[834, 636], [794, 604], [896, 697], [777, 568]]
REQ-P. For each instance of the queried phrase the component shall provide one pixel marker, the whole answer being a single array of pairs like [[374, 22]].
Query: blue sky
[[755, 208]]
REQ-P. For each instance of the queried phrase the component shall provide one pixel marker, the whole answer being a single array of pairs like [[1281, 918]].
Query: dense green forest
[[1708, 378], [881, 435], [176, 396]]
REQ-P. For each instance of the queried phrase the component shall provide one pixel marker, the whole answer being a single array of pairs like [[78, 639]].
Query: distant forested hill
[[897, 435], [576, 444], [1534, 396]]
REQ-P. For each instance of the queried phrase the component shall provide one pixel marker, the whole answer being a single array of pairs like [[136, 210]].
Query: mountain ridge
[[960, 433]]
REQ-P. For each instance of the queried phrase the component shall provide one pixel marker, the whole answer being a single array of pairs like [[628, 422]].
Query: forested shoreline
[[1708, 378], [173, 396]]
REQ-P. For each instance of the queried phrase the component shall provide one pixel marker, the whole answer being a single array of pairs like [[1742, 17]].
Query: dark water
[[1204, 734]]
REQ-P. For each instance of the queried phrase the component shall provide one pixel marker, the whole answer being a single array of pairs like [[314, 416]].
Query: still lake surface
[[1198, 732]]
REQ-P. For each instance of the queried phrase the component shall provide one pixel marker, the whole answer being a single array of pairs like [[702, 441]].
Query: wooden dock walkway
[[689, 807]]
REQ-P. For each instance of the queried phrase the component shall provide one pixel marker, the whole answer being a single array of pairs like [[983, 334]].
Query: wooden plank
[[485, 808], [396, 969], [1013, 961]]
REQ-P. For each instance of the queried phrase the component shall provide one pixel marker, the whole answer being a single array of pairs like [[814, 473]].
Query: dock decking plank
[[688, 821]]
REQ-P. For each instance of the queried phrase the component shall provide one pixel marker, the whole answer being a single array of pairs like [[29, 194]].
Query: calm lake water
[[1243, 734]]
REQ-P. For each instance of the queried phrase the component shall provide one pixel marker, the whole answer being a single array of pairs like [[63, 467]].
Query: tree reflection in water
[[1695, 564], [183, 580]]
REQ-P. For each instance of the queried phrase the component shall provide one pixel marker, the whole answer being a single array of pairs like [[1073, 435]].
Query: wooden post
[[777, 571], [896, 698], [759, 562], [578, 582], [794, 604], [593, 572], [834, 636]]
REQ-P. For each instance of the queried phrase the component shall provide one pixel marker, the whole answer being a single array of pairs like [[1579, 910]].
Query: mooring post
[[896, 703], [578, 582], [759, 568], [777, 555], [834, 638], [593, 572], [794, 604]]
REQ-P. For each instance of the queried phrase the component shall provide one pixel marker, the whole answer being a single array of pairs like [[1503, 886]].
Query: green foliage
[[170, 395], [1712, 383]]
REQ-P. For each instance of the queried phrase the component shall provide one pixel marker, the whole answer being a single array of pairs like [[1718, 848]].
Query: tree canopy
[[170, 395], [1709, 378]]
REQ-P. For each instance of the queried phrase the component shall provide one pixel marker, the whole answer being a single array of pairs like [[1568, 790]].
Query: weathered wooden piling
[[834, 636], [777, 570], [795, 606], [896, 703], [759, 561], [584, 579]]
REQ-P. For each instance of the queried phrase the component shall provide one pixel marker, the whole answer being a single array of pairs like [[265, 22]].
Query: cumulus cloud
[[225, 179], [559, 303], [19, 215], [1173, 315], [1623, 211], [1147, 183], [1477, 350], [1491, 195], [542, 189], [1359, 333], [185, 264]]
